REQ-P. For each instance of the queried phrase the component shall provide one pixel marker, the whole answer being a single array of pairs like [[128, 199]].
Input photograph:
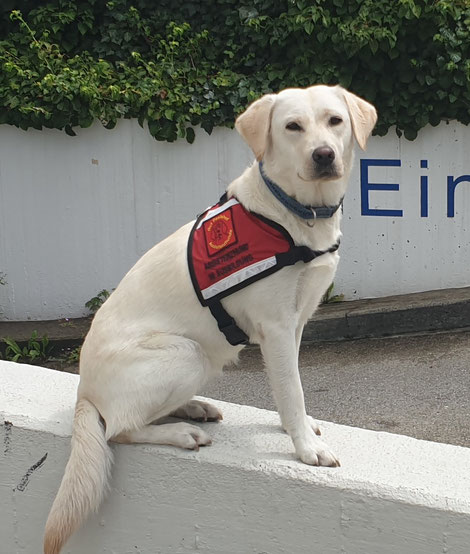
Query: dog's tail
[[85, 480]]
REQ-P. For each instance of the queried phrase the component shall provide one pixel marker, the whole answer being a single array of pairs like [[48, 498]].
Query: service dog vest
[[229, 248]]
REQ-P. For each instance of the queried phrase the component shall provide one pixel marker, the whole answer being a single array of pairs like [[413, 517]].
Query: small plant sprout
[[330, 298], [97, 301], [35, 350]]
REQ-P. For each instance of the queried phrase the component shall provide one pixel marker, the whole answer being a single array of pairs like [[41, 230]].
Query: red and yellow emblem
[[219, 232]]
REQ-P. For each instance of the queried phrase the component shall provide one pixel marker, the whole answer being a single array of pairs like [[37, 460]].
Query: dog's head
[[308, 131]]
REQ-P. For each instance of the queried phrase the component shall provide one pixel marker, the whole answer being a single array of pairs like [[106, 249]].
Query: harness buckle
[[234, 334]]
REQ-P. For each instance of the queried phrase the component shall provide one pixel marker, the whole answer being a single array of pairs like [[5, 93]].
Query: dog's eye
[[293, 126], [335, 121]]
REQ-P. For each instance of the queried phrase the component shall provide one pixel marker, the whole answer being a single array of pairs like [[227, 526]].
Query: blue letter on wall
[[451, 186], [366, 187]]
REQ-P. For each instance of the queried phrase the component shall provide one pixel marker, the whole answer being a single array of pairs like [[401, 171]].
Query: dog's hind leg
[[197, 410], [179, 434], [147, 380]]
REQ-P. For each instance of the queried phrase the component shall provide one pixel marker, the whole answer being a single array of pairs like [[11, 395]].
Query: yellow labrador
[[152, 345]]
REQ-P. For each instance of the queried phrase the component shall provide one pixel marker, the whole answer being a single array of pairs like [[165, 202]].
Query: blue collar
[[301, 210]]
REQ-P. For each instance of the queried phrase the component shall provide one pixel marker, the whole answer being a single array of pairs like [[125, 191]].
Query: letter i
[[424, 190]]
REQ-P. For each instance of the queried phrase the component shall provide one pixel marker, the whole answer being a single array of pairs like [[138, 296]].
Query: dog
[[154, 344]]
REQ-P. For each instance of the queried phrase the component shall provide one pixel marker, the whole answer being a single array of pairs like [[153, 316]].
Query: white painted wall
[[77, 212], [246, 494]]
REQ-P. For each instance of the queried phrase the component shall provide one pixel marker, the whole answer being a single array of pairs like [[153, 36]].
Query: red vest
[[229, 248]]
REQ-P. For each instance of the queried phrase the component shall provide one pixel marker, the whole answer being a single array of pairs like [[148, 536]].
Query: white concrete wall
[[77, 212], [246, 494]]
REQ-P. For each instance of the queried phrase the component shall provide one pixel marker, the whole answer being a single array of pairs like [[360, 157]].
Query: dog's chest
[[312, 281]]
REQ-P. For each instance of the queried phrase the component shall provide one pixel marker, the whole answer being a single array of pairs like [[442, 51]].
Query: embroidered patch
[[219, 232]]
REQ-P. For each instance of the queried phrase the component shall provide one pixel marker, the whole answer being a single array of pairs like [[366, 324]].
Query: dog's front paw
[[316, 453]]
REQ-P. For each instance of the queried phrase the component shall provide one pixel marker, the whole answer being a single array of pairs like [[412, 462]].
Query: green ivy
[[176, 65]]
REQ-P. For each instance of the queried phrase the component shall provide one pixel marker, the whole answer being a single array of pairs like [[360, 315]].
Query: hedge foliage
[[175, 65]]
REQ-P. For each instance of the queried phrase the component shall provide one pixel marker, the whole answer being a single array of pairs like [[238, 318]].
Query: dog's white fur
[[152, 346]]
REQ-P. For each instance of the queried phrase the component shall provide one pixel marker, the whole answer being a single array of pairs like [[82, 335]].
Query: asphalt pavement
[[411, 385], [416, 383]]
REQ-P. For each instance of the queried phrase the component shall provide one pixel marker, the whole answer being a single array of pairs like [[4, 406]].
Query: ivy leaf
[[69, 131], [190, 135], [208, 126], [410, 134]]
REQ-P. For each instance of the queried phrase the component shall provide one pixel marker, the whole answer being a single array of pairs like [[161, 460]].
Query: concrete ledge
[[422, 312], [244, 494]]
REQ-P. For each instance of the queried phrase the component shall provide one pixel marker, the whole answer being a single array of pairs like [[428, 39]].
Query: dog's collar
[[301, 210]]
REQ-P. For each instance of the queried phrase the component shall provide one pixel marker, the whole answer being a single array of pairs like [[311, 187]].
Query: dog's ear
[[363, 117], [253, 124]]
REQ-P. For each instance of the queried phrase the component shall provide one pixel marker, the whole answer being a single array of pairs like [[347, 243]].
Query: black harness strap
[[225, 321], [227, 324], [302, 254]]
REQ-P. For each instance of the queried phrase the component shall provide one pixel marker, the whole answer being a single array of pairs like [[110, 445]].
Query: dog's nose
[[323, 155]]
